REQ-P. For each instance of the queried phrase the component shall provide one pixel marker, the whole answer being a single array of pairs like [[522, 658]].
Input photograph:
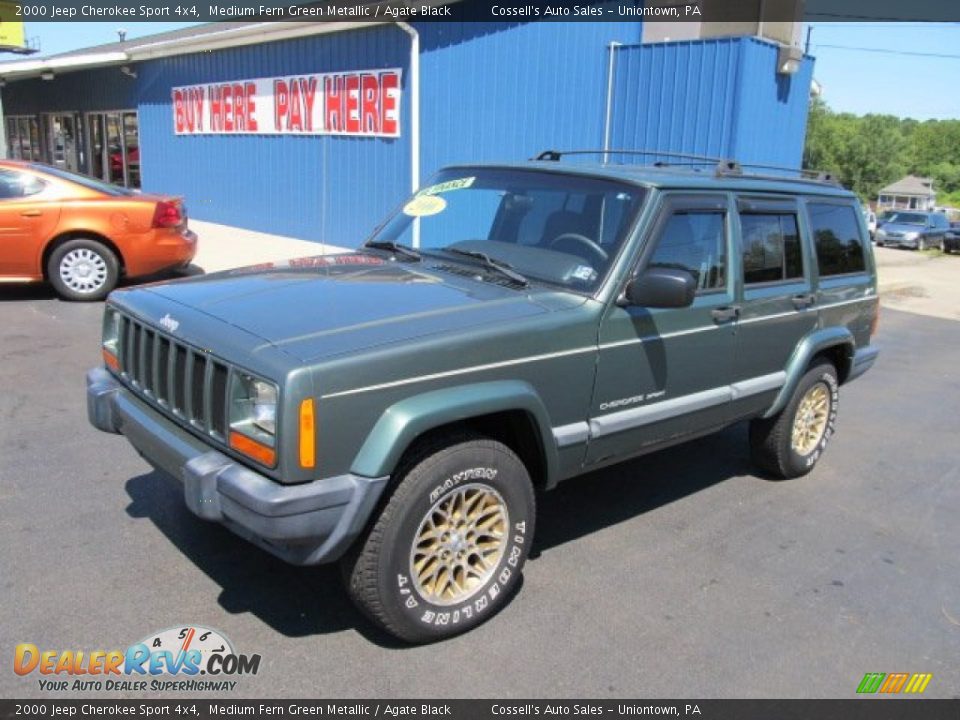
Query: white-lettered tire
[[83, 269], [448, 548], [791, 442]]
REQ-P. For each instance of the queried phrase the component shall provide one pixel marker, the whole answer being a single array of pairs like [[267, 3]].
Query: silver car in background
[[916, 230]]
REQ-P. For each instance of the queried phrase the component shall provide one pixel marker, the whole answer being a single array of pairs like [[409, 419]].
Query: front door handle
[[801, 302], [31, 213], [726, 313]]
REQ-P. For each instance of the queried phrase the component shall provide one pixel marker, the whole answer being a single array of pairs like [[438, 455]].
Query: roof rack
[[722, 166]]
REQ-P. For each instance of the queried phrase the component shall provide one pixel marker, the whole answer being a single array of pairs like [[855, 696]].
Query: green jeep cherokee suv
[[508, 327]]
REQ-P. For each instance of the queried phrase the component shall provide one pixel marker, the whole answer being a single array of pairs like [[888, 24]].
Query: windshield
[[549, 227], [85, 180], [908, 219]]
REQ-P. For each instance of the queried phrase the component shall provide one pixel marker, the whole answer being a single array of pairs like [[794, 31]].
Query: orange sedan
[[81, 234]]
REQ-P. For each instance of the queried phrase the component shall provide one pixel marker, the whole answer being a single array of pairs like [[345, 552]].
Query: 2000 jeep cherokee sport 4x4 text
[[395, 408]]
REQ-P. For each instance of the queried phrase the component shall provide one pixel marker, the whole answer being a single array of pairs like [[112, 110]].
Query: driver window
[[695, 242]]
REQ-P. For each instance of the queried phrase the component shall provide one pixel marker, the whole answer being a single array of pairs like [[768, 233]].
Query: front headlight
[[911, 235], [265, 406], [111, 338], [253, 408]]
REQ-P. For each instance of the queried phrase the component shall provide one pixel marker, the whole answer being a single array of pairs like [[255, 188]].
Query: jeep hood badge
[[168, 323]]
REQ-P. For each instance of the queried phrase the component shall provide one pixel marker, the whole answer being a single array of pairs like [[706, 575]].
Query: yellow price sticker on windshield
[[424, 205]]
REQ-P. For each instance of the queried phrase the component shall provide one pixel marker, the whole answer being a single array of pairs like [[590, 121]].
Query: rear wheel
[[448, 548], [789, 444], [83, 269]]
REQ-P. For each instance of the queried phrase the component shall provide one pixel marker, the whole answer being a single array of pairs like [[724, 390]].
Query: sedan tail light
[[167, 214]]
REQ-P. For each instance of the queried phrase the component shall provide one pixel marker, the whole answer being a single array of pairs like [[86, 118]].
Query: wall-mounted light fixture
[[789, 59], [128, 71], [47, 75]]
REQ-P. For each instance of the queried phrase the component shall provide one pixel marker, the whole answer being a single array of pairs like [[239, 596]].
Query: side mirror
[[661, 288]]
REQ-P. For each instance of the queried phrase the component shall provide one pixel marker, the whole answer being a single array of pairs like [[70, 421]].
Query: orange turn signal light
[[308, 435], [110, 360], [251, 448]]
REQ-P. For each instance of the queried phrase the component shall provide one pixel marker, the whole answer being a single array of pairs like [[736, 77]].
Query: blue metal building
[[487, 92]]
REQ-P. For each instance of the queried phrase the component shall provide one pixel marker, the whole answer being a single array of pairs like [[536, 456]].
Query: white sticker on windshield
[[447, 186], [585, 273], [424, 205]]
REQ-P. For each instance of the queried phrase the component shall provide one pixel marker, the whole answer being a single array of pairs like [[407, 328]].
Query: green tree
[[871, 151]]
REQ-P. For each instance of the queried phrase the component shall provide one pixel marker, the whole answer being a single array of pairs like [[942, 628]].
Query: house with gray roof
[[909, 193]]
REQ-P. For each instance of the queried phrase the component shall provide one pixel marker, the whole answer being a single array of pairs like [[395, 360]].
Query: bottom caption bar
[[872, 709]]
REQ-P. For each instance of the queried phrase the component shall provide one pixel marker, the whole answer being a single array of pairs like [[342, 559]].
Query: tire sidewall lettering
[[504, 576], [828, 379]]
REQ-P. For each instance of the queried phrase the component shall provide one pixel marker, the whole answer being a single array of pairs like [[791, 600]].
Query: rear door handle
[[801, 302], [31, 213], [726, 313]]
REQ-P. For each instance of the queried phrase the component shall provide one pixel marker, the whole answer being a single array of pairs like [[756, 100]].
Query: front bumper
[[303, 524], [912, 243]]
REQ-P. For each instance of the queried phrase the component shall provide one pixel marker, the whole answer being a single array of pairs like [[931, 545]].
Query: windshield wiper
[[488, 262], [394, 247]]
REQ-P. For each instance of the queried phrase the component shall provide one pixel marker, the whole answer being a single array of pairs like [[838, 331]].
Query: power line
[[889, 52]]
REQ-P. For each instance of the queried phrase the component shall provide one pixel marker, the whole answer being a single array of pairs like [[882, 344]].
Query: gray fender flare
[[401, 423], [815, 342]]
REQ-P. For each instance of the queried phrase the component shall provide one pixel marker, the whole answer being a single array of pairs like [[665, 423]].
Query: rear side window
[[695, 242], [836, 235], [771, 247], [15, 185]]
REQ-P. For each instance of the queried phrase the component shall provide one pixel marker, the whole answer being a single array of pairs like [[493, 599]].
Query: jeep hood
[[332, 305]]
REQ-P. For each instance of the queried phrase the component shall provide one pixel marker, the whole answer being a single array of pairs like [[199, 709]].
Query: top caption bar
[[490, 10]]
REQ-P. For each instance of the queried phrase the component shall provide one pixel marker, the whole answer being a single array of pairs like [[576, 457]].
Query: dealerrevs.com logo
[[188, 659]]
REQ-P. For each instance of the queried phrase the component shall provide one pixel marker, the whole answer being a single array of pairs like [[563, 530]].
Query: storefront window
[[23, 138], [114, 147]]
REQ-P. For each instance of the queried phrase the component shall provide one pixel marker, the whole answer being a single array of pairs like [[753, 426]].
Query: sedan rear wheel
[[83, 269]]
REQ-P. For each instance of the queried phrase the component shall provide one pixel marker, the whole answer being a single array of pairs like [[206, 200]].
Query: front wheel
[[83, 269], [789, 444], [922, 244], [448, 548]]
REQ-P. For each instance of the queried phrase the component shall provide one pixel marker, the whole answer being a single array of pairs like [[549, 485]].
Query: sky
[[889, 82], [853, 80]]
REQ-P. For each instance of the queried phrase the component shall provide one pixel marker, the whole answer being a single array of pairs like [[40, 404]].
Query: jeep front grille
[[188, 383]]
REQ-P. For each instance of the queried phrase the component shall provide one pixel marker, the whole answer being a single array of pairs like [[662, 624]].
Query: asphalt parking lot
[[682, 574]]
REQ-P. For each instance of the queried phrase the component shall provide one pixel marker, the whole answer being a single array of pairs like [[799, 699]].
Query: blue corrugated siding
[[771, 115], [333, 189], [718, 97], [84, 90], [496, 92]]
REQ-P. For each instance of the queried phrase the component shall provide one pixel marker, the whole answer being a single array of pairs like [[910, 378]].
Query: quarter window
[[836, 235], [771, 248], [695, 242], [16, 185]]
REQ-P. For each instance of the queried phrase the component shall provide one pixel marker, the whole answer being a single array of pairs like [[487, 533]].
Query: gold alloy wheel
[[459, 544], [810, 422]]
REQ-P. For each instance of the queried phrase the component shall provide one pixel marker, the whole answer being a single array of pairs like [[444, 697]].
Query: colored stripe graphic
[[913, 683]]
